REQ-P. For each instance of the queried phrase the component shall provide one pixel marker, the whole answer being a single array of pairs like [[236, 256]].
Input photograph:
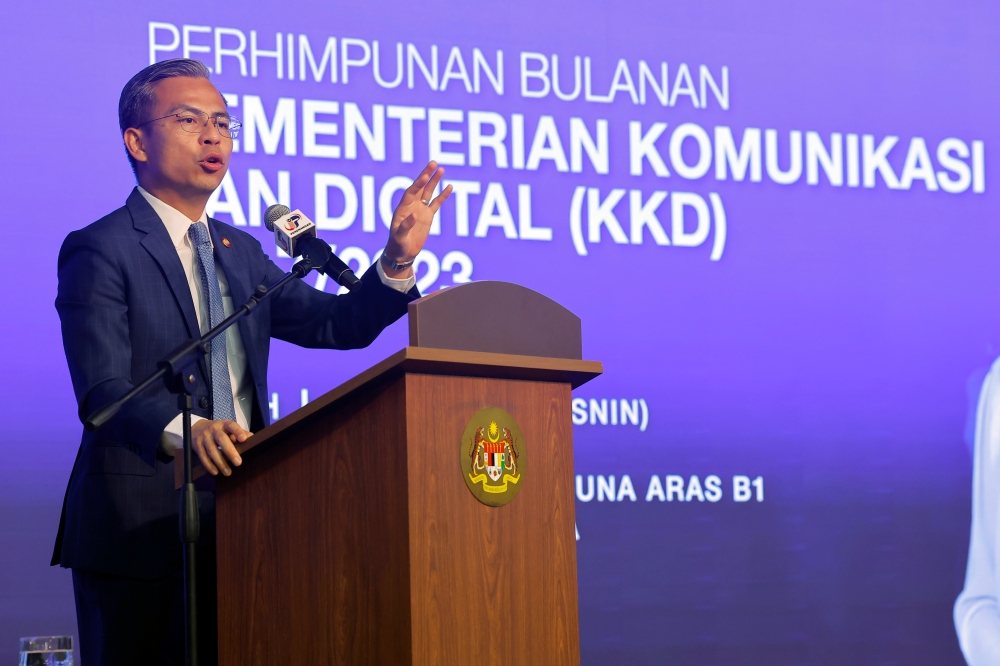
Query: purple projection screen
[[775, 220]]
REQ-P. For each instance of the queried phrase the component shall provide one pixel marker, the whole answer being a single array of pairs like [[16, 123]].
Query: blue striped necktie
[[222, 390]]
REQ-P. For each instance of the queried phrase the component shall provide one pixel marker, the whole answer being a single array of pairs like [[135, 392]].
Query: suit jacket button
[[203, 402]]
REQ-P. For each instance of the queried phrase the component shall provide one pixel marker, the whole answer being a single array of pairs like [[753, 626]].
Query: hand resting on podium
[[214, 442]]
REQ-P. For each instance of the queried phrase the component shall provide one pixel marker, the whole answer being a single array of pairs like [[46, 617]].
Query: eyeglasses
[[195, 122]]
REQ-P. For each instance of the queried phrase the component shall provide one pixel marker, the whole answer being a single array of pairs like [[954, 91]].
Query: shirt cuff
[[172, 438], [402, 285]]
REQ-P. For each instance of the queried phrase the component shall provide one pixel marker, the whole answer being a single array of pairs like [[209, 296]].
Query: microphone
[[296, 235]]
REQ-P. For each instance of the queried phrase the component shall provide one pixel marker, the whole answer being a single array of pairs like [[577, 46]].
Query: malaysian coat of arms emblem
[[493, 454]]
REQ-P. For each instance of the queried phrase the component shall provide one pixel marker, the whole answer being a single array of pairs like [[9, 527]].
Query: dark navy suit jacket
[[124, 303]]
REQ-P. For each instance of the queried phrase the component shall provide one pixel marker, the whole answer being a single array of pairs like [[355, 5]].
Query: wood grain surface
[[453, 319], [491, 586], [313, 562], [425, 360], [352, 538]]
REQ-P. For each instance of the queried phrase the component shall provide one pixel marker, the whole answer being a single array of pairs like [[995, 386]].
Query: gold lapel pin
[[225, 241]]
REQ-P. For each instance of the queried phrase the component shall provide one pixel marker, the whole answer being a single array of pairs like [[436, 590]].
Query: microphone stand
[[177, 372]]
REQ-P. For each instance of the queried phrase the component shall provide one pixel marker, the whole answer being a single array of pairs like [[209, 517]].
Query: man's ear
[[135, 144]]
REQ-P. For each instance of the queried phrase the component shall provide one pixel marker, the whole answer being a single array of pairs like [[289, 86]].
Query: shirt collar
[[176, 222]]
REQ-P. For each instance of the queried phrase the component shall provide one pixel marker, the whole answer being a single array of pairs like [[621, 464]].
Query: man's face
[[189, 163]]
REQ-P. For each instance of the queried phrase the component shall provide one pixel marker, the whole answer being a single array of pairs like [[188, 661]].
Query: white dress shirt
[[977, 609], [177, 225]]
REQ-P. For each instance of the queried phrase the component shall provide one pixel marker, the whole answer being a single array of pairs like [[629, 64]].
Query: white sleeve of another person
[[977, 609]]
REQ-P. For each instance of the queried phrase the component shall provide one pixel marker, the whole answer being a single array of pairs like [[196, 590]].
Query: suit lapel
[[231, 260], [227, 260], [157, 242]]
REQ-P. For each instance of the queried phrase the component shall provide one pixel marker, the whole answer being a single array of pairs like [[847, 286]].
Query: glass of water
[[47, 651]]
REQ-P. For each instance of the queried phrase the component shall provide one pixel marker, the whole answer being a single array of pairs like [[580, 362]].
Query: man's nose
[[210, 134]]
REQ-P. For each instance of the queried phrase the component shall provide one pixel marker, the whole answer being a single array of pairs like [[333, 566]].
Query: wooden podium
[[349, 534]]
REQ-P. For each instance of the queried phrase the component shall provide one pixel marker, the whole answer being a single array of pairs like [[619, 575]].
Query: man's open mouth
[[213, 162]]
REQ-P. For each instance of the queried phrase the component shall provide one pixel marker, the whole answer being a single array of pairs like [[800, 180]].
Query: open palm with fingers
[[411, 221]]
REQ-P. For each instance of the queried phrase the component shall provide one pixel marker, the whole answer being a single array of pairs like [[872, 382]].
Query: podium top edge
[[573, 371], [454, 318], [426, 360]]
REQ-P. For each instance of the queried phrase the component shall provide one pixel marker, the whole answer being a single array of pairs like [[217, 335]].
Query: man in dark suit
[[133, 286]]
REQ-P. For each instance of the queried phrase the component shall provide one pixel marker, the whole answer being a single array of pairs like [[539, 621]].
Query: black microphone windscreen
[[273, 214]]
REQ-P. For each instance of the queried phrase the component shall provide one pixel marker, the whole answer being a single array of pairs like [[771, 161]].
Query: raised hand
[[411, 221]]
